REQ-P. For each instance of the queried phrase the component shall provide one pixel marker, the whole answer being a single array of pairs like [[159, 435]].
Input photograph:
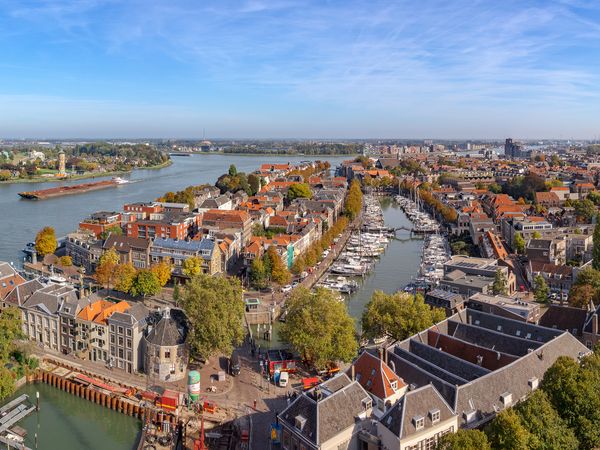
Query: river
[[69, 422], [22, 219]]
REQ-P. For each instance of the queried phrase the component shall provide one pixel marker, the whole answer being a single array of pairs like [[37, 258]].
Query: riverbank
[[87, 176]]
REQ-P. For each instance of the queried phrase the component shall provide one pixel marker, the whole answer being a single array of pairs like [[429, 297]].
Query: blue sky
[[288, 68]]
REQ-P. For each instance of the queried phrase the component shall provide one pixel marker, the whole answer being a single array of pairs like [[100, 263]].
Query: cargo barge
[[73, 189]]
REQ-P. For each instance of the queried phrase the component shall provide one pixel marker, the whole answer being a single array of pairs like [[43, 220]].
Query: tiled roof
[[375, 376]]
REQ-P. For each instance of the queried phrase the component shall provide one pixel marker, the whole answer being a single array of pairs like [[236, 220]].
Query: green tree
[[549, 430], [5, 175], [536, 235], [299, 190], [192, 266], [541, 290], [353, 203], [10, 331], [318, 326], [596, 247], [299, 265], [254, 182], [124, 275], [585, 209], [580, 295], [398, 315], [506, 432], [594, 197], [233, 170], [145, 284], [464, 440], [519, 243], [572, 389], [258, 274], [495, 188], [113, 229], [45, 241], [500, 285], [215, 310]]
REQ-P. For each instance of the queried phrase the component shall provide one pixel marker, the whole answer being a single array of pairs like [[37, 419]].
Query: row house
[[223, 202], [175, 252], [584, 324], [125, 332], [547, 251], [100, 221], [131, 250], [84, 248], [527, 227], [142, 210], [559, 278], [229, 220], [174, 226]]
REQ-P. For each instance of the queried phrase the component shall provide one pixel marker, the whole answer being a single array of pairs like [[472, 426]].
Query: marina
[[422, 221]]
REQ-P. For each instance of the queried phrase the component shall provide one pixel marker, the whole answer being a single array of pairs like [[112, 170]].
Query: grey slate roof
[[167, 332], [51, 298], [22, 292], [340, 404], [416, 403]]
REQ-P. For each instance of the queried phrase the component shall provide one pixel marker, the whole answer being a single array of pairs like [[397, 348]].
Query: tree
[[572, 389], [318, 326], [398, 315], [506, 432], [275, 268], [124, 275], [353, 203], [113, 229], [45, 241], [594, 197], [581, 295], [192, 266], [105, 270], [10, 331], [596, 248], [7, 383], [464, 440], [162, 270], [499, 287], [233, 170], [519, 243], [299, 265], [215, 310], [585, 209], [258, 274], [299, 190], [254, 182], [536, 234], [145, 284], [66, 261], [495, 188], [540, 289], [544, 423], [5, 175]]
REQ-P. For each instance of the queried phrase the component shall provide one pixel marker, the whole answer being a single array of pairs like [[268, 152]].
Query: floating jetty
[[59, 191], [10, 414]]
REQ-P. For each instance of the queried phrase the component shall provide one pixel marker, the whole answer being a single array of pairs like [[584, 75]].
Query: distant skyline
[[300, 69]]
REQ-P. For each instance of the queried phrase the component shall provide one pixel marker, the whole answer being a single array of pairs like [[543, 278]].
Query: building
[[450, 301], [126, 331], [165, 354], [513, 150], [131, 250], [481, 363], [175, 252], [9, 279], [547, 251], [504, 306], [327, 417], [232, 220], [62, 167], [84, 248]]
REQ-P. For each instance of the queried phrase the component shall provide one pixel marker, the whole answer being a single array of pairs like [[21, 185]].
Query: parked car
[[284, 378], [234, 365], [287, 288]]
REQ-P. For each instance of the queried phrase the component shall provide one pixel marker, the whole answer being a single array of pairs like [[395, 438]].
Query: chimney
[[380, 351], [385, 355], [352, 372], [595, 324]]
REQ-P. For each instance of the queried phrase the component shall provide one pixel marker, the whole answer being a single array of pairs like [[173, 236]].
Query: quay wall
[[116, 402]]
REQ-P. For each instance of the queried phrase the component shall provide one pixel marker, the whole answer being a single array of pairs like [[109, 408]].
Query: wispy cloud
[[358, 56]]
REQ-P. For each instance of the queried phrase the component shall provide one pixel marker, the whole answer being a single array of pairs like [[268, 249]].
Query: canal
[[394, 270], [69, 422], [21, 219]]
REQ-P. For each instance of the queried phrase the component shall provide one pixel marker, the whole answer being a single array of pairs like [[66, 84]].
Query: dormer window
[[419, 422], [434, 415], [394, 385], [533, 383], [506, 399], [299, 422], [367, 403]]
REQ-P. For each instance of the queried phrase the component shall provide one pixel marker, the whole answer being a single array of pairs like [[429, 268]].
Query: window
[[506, 399], [533, 383], [434, 415], [367, 403], [120, 330], [129, 332], [167, 354], [112, 338], [299, 422], [129, 355], [394, 385], [128, 343], [418, 422], [120, 353], [112, 328], [120, 341]]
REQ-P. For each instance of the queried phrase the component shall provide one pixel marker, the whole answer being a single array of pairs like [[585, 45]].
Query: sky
[[300, 69]]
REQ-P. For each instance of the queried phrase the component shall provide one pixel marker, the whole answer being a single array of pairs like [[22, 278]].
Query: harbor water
[[69, 422]]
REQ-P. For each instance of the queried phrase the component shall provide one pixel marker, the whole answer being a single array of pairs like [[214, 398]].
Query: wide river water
[[21, 219]]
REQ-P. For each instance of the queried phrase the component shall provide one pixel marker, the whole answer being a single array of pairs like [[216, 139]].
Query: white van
[[284, 377]]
